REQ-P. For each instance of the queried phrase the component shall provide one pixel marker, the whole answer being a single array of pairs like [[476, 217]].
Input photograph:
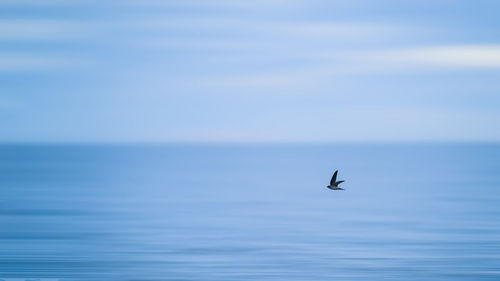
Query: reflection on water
[[173, 212]]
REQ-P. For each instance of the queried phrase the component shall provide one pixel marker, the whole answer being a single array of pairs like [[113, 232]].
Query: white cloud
[[35, 2], [218, 3], [357, 123], [35, 62], [319, 29], [451, 56], [43, 29], [325, 65], [223, 33]]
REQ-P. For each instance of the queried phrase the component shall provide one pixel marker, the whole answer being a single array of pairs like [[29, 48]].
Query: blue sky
[[249, 71]]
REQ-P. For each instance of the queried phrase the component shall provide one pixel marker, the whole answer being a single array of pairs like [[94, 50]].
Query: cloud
[[325, 66], [42, 29], [35, 2], [357, 123], [451, 56], [319, 29], [217, 3], [18, 62]]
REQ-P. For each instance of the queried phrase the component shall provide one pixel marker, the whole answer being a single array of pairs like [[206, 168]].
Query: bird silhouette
[[334, 184]]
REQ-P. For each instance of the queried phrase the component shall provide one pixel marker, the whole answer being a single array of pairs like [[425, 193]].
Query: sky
[[249, 71]]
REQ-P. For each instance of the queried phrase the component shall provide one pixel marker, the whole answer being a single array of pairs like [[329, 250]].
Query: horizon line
[[246, 143]]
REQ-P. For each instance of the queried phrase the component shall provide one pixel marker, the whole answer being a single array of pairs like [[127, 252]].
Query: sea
[[409, 211]]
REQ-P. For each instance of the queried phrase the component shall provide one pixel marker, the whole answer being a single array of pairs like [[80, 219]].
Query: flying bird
[[334, 184]]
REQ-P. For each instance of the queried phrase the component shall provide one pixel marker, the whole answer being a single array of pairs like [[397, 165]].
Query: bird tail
[[339, 182]]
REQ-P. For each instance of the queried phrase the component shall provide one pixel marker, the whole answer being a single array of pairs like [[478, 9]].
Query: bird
[[334, 184]]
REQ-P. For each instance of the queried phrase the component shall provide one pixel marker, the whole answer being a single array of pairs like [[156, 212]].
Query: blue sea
[[250, 212]]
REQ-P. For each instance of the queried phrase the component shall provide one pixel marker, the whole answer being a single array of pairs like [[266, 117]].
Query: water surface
[[254, 212]]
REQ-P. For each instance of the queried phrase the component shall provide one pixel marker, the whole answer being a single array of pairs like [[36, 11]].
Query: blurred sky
[[249, 71]]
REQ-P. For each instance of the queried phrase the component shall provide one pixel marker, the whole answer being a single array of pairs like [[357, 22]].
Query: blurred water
[[215, 212]]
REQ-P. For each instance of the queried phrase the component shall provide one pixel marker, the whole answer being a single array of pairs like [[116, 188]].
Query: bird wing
[[339, 182], [334, 178]]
